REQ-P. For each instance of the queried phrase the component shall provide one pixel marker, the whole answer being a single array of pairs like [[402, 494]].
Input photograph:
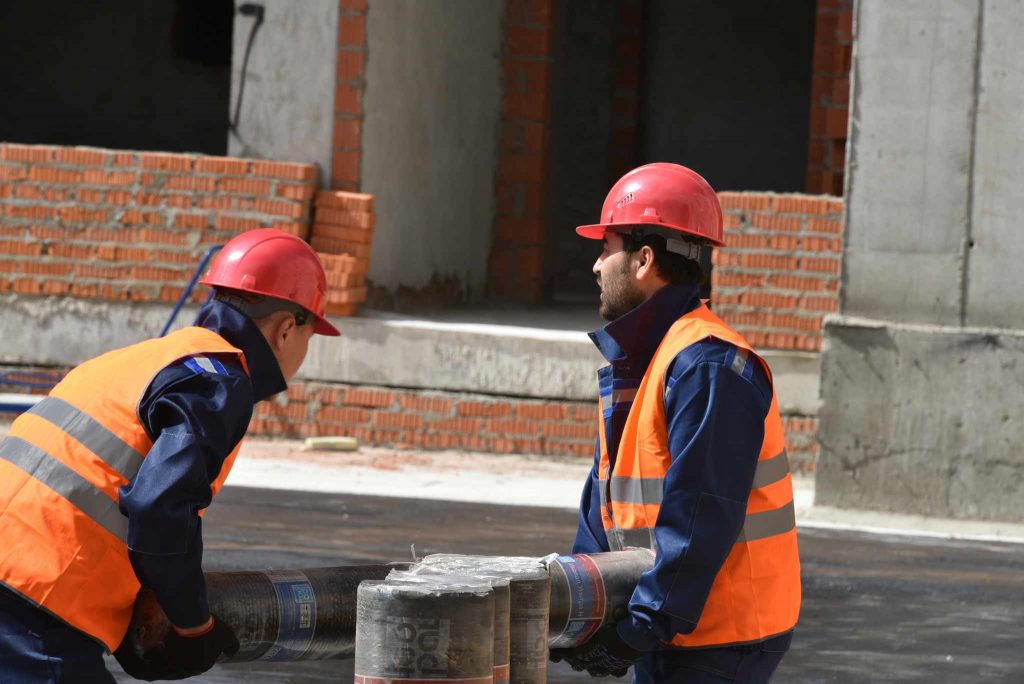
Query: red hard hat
[[663, 195], [277, 264]]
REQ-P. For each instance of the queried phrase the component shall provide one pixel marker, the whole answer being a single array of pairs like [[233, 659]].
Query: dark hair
[[257, 306], [675, 268]]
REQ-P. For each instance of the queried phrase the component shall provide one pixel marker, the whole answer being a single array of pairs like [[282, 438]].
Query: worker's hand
[[604, 654], [191, 653], [132, 664]]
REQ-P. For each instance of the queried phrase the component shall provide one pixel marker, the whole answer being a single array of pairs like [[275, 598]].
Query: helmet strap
[[673, 243], [263, 308]]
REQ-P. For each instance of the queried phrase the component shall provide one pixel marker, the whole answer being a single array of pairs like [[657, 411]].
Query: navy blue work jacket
[[715, 430], [196, 411]]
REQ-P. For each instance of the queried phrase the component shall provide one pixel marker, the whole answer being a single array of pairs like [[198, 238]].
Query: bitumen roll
[[413, 631], [588, 590], [282, 615], [502, 597], [529, 596]]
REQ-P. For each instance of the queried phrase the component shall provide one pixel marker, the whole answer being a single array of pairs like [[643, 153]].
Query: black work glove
[[604, 654], [132, 664], [179, 656]]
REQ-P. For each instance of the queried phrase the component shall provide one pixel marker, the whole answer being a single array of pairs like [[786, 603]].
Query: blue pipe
[[188, 289]]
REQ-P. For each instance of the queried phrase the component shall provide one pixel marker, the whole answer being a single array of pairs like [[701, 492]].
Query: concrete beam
[[922, 419]]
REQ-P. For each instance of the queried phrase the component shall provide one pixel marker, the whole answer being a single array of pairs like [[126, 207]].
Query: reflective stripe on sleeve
[[768, 524], [771, 470], [637, 490], [110, 448], [739, 361], [78, 491], [641, 537]]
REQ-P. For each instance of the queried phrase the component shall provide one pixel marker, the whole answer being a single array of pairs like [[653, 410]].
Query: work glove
[[132, 664], [180, 656], [603, 654]]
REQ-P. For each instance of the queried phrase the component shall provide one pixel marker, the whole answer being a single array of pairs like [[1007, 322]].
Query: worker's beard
[[619, 293]]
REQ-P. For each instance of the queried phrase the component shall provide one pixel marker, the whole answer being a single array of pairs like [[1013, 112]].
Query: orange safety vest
[[756, 593], [62, 538]]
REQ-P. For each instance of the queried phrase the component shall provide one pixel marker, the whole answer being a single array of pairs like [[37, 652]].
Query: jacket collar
[[639, 332], [237, 329]]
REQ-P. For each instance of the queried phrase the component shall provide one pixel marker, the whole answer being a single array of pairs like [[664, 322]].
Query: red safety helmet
[[277, 264], [661, 195]]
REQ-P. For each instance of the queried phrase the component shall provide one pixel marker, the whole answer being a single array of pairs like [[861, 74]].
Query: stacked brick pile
[[125, 225], [778, 275], [343, 235]]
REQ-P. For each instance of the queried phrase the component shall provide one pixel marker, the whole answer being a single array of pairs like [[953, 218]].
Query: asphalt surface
[[876, 608]]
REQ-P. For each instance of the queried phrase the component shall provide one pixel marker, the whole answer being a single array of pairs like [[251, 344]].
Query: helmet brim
[[324, 327], [596, 231]]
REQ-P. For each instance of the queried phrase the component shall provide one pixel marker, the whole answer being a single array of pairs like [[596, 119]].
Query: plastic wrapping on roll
[[530, 588], [430, 629], [279, 615], [501, 586], [588, 590]]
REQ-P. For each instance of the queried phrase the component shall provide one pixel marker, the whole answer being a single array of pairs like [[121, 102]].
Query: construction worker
[[103, 483], [691, 458]]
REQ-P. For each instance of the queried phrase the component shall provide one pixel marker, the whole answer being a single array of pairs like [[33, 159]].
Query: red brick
[[81, 156], [349, 69], [125, 159], [348, 201], [344, 414], [26, 286], [826, 304], [47, 268], [484, 409], [119, 197], [194, 221], [819, 265], [343, 233], [352, 30], [835, 122], [363, 220], [366, 397], [163, 161], [295, 192], [547, 411], [49, 174], [244, 186], [793, 282], [522, 41], [192, 183], [347, 134], [844, 27], [134, 217], [27, 153], [348, 99], [354, 5], [528, 11], [9, 172], [401, 421], [100, 177], [426, 404], [345, 165], [568, 430], [531, 105], [285, 170], [521, 167], [21, 248], [222, 165], [82, 215]]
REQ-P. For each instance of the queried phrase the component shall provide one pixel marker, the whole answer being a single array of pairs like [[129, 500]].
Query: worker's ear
[[644, 262], [282, 326]]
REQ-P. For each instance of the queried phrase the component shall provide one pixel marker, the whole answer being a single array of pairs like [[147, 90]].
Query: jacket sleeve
[[195, 418], [715, 419], [590, 536]]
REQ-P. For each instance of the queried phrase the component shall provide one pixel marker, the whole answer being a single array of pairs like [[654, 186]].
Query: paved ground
[[878, 608]]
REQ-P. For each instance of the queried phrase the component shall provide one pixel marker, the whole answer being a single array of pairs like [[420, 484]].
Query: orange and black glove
[[182, 656]]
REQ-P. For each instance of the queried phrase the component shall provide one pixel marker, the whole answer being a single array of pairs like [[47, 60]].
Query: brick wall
[[830, 95], [346, 157], [778, 275], [124, 225], [515, 265]]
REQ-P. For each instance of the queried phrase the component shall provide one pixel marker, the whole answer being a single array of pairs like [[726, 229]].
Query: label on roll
[[586, 600], [501, 674], [296, 616]]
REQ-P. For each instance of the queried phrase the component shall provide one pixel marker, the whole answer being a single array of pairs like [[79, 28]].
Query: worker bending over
[[103, 483], [691, 458]]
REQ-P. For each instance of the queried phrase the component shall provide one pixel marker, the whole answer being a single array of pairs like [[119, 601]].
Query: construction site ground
[[886, 598]]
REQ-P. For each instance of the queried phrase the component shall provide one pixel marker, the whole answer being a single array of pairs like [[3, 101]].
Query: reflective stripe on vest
[[61, 464], [762, 572]]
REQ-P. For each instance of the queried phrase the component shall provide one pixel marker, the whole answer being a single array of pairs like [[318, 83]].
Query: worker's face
[[616, 276], [292, 343]]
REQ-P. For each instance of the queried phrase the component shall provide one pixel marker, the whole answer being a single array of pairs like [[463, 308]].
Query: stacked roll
[[342, 235]]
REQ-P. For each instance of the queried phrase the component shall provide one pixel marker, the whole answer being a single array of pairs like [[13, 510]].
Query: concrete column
[[287, 108], [918, 417], [430, 137]]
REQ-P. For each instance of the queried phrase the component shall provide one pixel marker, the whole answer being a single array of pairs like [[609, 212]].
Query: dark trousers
[[37, 648], [752, 664]]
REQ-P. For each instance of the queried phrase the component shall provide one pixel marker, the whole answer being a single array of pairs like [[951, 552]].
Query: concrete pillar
[[287, 110], [922, 371], [430, 137]]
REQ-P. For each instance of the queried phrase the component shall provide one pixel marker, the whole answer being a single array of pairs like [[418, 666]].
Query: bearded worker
[[103, 483], [691, 457]]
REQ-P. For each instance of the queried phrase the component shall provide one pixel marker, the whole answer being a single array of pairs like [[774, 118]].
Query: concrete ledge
[[542, 353], [922, 420]]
